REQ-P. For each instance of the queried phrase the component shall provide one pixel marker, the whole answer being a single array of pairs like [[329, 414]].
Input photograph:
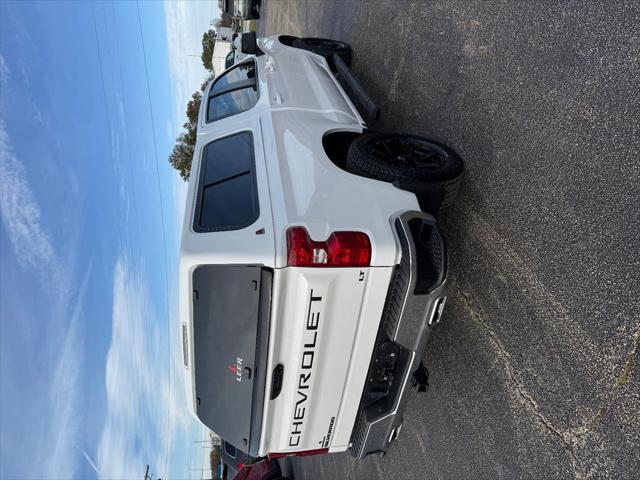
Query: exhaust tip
[[394, 433], [436, 314]]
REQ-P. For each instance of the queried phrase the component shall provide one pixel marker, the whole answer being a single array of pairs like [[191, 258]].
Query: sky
[[92, 96]]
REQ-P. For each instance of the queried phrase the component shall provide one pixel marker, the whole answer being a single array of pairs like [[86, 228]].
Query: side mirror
[[249, 43]]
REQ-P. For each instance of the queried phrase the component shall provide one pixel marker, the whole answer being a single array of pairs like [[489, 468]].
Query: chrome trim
[[438, 308]]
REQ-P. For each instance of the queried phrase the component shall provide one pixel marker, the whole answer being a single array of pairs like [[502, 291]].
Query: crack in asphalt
[[379, 471], [627, 369], [526, 398], [563, 324], [573, 438]]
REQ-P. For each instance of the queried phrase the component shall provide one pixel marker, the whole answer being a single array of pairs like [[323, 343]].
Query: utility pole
[[147, 476]]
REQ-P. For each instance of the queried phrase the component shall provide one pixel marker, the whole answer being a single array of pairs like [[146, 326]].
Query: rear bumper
[[414, 304]]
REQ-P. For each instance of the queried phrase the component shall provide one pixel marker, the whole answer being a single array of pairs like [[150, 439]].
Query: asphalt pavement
[[534, 370]]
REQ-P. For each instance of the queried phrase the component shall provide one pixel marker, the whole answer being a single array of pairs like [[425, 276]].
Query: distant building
[[220, 51], [225, 33]]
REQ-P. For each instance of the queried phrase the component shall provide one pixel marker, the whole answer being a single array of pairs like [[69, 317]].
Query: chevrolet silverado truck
[[312, 269]]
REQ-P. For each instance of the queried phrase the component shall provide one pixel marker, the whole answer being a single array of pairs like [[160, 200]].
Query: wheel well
[[336, 146], [287, 40]]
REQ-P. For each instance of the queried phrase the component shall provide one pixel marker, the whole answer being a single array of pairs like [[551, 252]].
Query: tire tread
[[361, 162]]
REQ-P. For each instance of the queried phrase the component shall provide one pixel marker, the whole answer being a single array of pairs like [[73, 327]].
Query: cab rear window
[[227, 192], [234, 92]]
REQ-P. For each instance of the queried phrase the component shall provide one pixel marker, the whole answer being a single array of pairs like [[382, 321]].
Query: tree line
[[182, 153]]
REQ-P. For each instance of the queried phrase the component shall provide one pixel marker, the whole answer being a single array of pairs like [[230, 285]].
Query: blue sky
[[89, 361]]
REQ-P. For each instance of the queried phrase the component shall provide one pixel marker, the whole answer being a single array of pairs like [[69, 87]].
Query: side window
[[229, 59], [234, 92], [227, 196]]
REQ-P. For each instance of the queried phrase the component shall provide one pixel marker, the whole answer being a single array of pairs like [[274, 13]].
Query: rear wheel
[[325, 47], [391, 157]]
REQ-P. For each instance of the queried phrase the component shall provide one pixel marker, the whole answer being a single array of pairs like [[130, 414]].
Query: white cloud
[[185, 23], [170, 129], [144, 411], [57, 428], [37, 114], [4, 70], [64, 394], [20, 212]]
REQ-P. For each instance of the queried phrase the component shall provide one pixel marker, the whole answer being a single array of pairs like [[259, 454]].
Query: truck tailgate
[[323, 326], [231, 306]]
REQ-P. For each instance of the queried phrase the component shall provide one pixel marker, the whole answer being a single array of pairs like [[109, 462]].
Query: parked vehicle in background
[[233, 459], [247, 9], [262, 470], [235, 55], [249, 25], [312, 268]]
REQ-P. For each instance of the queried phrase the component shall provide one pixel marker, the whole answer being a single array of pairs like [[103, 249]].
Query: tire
[[325, 47], [390, 157]]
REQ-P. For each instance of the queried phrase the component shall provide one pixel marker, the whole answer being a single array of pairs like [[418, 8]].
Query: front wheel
[[391, 157], [325, 47]]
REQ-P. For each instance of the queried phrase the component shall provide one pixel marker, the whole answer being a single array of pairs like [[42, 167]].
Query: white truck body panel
[[303, 82], [308, 189]]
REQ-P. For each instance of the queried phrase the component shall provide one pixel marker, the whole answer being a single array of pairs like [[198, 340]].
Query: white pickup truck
[[312, 269]]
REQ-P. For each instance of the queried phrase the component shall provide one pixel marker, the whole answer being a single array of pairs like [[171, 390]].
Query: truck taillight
[[303, 453], [341, 249]]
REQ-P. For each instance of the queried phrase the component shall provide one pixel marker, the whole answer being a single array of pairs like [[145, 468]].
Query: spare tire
[[392, 157], [325, 47]]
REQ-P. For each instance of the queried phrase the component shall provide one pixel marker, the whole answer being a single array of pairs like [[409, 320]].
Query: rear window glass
[[244, 71], [227, 193], [233, 92], [230, 103]]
